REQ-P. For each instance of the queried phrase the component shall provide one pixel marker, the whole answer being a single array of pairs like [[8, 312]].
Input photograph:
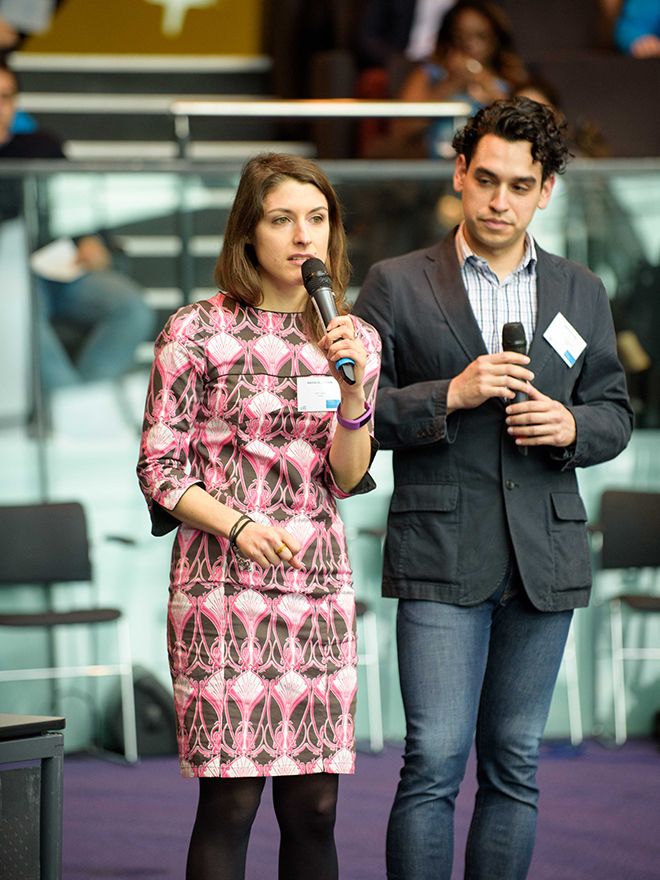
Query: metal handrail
[[326, 108], [320, 108]]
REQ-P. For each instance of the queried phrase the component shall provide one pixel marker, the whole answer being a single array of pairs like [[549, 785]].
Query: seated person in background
[[105, 305], [474, 61], [637, 28], [21, 20], [611, 242], [391, 36], [637, 321], [390, 31], [584, 135]]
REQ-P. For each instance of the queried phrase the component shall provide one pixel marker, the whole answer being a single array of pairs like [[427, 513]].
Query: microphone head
[[315, 275], [513, 337]]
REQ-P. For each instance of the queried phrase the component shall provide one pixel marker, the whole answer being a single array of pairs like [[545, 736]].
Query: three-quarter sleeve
[[173, 399]]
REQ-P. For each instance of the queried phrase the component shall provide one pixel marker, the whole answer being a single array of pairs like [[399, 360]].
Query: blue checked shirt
[[496, 302]]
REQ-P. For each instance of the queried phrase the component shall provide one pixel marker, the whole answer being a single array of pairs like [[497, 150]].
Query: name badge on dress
[[317, 393], [565, 339]]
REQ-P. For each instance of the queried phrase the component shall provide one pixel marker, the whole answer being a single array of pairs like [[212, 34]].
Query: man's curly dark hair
[[519, 119]]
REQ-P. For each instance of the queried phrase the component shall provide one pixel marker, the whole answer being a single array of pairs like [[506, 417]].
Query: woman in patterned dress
[[245, 450]]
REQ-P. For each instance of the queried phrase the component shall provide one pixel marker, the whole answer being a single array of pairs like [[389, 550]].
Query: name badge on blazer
[[565, 339]]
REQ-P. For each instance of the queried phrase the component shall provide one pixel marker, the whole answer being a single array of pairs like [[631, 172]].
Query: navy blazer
[[464, 497]]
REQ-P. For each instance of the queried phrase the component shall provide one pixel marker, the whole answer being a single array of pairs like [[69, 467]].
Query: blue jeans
[[110, 308], [489, 668]]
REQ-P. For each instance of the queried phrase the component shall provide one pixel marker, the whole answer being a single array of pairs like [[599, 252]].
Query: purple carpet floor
[[599, 817]]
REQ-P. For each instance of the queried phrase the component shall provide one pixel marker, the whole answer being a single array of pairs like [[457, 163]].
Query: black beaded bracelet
[[243, 521]]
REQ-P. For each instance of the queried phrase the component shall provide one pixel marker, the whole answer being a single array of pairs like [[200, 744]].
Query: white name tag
[[317, 393], [565, 339]]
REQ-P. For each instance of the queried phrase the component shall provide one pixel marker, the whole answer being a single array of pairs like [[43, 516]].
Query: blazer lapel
[[552, 297], [444, 276]]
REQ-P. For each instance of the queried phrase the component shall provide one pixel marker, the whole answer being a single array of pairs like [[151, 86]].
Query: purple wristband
[[354, 424]]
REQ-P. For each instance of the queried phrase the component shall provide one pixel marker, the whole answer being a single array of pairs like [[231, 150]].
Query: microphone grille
[[311, 267], [513, 337], [315, 276]]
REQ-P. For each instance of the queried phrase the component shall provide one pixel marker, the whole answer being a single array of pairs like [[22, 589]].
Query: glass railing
[[166, 223]]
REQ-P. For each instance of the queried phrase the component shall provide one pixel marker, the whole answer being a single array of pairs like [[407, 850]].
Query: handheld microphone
[[514, 339], [319, 286]]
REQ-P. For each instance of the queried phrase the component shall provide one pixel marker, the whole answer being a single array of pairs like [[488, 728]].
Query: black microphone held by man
[[318, 285], [514, 339]]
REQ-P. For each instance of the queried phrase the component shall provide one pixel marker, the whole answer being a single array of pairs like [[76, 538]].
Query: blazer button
[[509, 484]]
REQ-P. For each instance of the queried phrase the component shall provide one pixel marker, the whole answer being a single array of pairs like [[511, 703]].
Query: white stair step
[[169, 245], [205, 150], [171, 298], [33, 61]]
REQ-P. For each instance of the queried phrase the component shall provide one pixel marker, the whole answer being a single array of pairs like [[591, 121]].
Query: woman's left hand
[[340, 341]]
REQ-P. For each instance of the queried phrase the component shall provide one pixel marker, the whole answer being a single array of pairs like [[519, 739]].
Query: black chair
[[629, 526], [46, 544]]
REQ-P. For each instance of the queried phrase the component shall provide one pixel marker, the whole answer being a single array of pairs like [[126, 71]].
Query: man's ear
[[460, 170], [546, 191]]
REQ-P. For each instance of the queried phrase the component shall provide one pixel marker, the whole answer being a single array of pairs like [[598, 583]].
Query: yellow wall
[[222, 27]]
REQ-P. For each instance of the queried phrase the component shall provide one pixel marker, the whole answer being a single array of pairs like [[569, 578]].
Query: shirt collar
[[465, 252]]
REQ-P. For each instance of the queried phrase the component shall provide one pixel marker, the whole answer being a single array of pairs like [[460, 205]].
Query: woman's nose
[[302, 233]]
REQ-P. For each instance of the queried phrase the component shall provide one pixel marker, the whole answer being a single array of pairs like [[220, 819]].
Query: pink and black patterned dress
[[263, 660]]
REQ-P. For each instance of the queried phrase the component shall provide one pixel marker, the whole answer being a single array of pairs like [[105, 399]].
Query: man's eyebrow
[[531, 180], [481, 170]]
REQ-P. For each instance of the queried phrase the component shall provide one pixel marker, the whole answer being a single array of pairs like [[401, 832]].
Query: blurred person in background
[[392, 30], [611, 241], [637, 28], [22, 18], [102, 313], [583, 135], [474, 61]]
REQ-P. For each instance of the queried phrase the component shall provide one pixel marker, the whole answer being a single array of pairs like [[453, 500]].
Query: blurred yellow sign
[[181, 27]]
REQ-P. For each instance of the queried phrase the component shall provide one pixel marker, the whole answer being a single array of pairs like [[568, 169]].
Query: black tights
[[305, 811]]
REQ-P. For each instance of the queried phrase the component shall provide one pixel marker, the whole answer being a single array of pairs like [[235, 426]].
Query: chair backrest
[[43, 543], [567, 26], [630, 526]]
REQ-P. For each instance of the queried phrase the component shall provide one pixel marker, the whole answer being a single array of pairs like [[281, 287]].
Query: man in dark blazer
[[486, 545]]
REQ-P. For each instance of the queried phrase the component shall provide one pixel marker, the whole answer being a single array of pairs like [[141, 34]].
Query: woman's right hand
[[268, 545]]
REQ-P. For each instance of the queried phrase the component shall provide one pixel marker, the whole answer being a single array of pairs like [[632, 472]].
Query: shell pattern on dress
[[263, 660]]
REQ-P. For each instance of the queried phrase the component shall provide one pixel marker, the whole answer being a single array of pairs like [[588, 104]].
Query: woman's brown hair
[[237, 269]]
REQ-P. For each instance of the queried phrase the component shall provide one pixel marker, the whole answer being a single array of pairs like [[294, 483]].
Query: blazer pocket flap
[[568, 505], [431, 497]]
